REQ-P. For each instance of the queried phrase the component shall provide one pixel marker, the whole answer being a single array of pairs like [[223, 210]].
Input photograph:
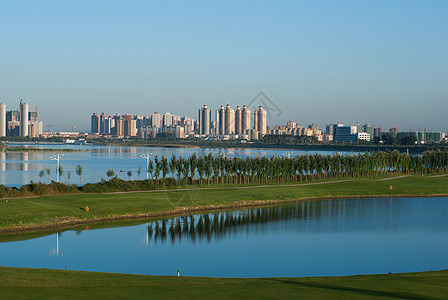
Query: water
[[18, 168], [309, 238]]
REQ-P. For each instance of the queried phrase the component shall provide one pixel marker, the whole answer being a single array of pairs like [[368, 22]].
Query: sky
[[317, 61]]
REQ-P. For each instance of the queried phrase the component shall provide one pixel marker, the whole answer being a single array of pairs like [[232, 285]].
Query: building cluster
[[148, 126], [21, 122], [240, 123], [232, 123], [352, 133]]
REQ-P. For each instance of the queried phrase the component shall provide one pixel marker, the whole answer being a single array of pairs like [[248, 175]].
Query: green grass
[[68, 209], [18, 283]]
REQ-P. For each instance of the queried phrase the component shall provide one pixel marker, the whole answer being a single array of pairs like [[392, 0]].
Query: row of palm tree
[[222, 169]]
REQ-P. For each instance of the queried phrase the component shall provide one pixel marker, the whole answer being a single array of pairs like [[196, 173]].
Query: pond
[[308, 238]]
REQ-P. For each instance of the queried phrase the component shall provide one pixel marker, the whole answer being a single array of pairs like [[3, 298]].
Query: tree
[[129, 174], [60, 171], [110, 173], [150, 168], [139, 172], [78, 171], [69, 175], [164, 168], [48, 174], [41, 174]]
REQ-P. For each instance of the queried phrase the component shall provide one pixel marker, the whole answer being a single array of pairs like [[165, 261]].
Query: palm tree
[[78, 171], [69, 175], [129, 174], [139, 172]]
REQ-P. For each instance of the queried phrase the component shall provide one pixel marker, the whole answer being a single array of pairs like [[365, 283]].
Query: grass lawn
[[50, 210], [19, 283]]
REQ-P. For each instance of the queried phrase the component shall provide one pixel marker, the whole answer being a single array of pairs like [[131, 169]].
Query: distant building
[[260, 120], [229, 120], [238, 120], [167, 120], [2, 119], [95, 123], [363, 136], [245, 124], [24, 109], [221, 120], [204, 120], [343, 133], [156, 120]]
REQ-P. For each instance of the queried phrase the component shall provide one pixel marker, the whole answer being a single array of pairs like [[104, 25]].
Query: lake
[[308, 238], [18, 168]]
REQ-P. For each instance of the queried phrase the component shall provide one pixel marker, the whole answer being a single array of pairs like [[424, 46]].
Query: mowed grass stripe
[[19, 283]]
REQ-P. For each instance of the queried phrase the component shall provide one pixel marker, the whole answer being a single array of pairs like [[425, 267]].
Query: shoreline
[[192, 210]]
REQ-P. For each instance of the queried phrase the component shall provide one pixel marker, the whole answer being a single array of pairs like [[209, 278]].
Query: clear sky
[[319, 61]]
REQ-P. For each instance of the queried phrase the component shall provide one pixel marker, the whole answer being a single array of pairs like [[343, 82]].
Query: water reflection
[[309, 238], [55, 251], [306, 217]]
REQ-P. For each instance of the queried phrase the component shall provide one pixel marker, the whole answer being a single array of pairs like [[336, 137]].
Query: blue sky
[[319, 61]]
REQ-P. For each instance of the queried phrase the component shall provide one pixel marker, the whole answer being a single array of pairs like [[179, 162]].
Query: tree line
[[225, 170], [222, 169]]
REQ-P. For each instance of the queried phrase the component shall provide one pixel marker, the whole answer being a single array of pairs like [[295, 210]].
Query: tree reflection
[[215, 226]]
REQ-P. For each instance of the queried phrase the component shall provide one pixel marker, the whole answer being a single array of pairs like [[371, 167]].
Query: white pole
[[147, 164], [57, 169]]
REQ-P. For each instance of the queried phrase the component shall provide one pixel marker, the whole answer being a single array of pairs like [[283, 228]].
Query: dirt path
[[441, 175], [392, 178], [233, 187]]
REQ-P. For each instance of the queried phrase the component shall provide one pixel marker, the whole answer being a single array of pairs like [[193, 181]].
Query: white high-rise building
[[229, 120], [221, 120], [167, 120], [24, 109], [156, 120], [260, 120], [245, 125], [2, 119], [204, 120], [238, 120]]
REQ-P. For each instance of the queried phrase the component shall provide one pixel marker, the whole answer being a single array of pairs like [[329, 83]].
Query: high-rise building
[[156, 120], [245, 124], [2, 119], [24, 109], [204, 120], [130, 128], [238, 120], [221, 121], [229, 120], [377, 132], [119, 127], [260, 120], [95, 123], [167, 120]]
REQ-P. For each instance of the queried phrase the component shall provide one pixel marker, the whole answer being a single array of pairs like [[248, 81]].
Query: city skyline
[[322, 61]]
